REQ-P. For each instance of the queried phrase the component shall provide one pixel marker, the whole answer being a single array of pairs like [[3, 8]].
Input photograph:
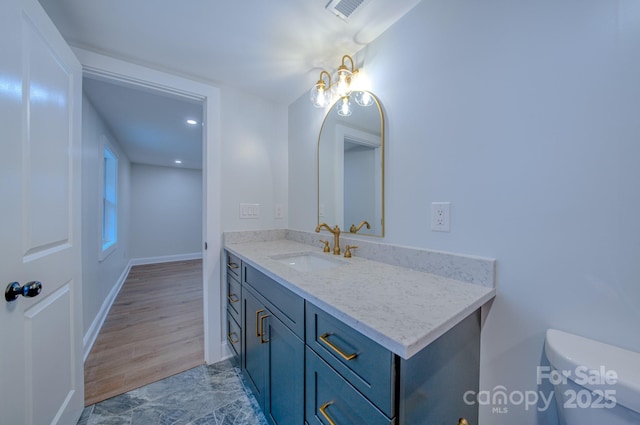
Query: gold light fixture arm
[[343, 66], [321, 81]]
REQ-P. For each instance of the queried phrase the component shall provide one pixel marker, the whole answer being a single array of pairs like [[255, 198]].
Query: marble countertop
[[403, 310]]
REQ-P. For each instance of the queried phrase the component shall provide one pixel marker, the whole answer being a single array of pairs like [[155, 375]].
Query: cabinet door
[[253, 356], [234, 337], [234, 296], [284, 403], [331, 399]]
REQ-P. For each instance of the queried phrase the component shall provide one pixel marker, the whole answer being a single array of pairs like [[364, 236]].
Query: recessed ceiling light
[[178, 161], [192, 122]]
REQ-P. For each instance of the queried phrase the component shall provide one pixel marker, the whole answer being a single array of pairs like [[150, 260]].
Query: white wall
[[254, 164], [166, 211], [100, 277], [524, 115]]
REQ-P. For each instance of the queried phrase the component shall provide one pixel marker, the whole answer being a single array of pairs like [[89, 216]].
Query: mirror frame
[[331, 110]]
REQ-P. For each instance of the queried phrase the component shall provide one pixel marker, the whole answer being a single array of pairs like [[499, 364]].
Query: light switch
[[249, 211]]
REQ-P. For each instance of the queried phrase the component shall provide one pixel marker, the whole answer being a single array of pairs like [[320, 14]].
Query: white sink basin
[[309, 261]]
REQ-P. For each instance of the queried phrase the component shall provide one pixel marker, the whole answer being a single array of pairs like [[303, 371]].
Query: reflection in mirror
[[351, 168]]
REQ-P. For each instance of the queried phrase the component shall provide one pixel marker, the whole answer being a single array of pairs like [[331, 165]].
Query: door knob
[[30, 289]]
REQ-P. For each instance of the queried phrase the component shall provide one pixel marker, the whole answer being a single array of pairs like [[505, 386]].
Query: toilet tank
[[592, 378]]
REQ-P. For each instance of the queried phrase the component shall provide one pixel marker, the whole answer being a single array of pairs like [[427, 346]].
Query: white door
[[41, 371]]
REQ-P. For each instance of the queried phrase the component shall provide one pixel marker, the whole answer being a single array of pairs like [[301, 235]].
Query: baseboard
[[165, 259], [91, 335]]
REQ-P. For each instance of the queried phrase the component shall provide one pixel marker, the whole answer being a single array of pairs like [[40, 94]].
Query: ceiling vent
[[344, 8]]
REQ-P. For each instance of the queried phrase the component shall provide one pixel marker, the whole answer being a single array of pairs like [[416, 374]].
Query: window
[[109, 202]]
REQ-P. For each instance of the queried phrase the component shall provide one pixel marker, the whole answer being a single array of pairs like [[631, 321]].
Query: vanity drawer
[[284, 304], [234, 265], [234, 338], [234, 295], [365, 364], [328, 397]]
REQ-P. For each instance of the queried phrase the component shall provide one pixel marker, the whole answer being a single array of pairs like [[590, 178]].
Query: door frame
[[109, 69]]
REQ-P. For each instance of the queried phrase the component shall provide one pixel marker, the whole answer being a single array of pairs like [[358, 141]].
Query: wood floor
[[154, 330]]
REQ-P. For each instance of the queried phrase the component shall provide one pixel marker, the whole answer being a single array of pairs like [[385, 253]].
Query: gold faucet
[[336, 236], [326, 246], [347, 250], [354, 229]]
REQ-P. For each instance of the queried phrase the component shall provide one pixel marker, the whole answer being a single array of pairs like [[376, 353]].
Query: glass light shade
[[363, 98], [320, 96], [344, 109], [343, 86]]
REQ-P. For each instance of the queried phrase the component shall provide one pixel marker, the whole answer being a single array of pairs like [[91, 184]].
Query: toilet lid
[[591, 364]]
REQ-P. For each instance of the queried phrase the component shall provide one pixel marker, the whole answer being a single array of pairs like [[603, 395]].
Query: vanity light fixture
[[347, 81], [320, 93], [344, 109], [363, 98], [345, 75]]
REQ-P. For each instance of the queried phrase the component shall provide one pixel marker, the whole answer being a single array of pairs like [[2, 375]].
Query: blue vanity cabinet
[[305, 366], [331, 399], [273, 354], [234, 298], [364, 363], [351, 379], [253, 351]]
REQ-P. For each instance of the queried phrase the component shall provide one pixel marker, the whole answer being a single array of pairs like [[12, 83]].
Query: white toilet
[[594, 383]]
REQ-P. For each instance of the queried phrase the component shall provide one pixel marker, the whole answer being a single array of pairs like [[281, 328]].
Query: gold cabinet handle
[[232, 265], [231, 339], [342, 354], [233, 298], [258, 322], [263, 341], [323, 409]]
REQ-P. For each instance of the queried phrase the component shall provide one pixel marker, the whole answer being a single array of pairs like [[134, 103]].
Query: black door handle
[[14, 290]]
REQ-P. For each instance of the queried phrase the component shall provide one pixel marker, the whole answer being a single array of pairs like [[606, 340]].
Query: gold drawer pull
[[344, 355], [323, 409], [258, 322], [263, 341], [233, 298], [232, 265], [231, 339]]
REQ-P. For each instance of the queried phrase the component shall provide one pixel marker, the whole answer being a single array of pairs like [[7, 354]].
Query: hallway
[[154, 330]]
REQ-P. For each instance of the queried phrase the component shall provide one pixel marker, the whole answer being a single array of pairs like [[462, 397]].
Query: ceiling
[[272, 49], [151, 126]]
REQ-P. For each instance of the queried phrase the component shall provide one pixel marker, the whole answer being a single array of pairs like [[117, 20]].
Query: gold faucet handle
[[326, 246], [463, 421], [353, 229], [347, 250]]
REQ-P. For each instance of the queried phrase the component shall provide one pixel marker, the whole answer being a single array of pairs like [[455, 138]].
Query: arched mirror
[[351, 166]]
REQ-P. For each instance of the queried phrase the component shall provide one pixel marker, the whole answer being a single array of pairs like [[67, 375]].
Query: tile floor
[[211, 395]]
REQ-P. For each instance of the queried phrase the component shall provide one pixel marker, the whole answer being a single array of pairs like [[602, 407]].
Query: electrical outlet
[[279, 211], [441, 216]]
